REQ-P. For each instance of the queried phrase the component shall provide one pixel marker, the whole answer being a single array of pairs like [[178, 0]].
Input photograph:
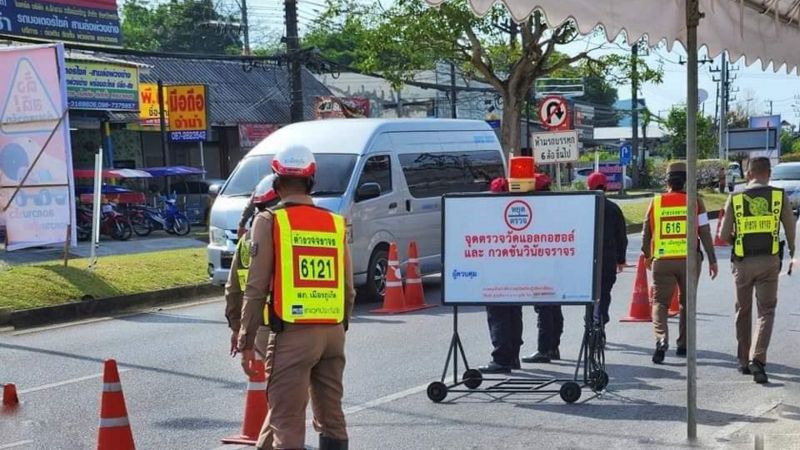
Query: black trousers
[[505, 329], [606, 284], [551, 326]]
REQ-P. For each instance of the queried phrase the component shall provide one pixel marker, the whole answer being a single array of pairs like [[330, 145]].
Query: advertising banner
[[330, 107], [614, 174], [36, 185], [521, 249], [188, 113], [149, 111], [102, 86], [250, 134], [86, 21]]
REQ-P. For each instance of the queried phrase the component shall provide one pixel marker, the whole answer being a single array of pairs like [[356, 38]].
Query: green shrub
[[791, 157]]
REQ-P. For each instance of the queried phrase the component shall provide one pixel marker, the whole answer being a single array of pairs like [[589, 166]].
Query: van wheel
[[376, 274]]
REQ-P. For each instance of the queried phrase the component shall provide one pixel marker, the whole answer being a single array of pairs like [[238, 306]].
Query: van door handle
[[393, 205], [408, 205]]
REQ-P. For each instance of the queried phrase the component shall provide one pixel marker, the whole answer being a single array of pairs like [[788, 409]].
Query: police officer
[[664, 247], [264, 196], [752, 224], [299, 254], [505, 323], [615, 246], [550, 320]]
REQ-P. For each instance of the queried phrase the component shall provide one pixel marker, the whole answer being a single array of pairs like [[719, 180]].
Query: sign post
[[625, 157]]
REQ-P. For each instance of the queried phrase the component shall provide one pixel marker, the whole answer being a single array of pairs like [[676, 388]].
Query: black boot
[[327, 443], [661, 350]]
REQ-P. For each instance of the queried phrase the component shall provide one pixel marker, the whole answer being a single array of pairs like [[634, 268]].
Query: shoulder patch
[[253, 249]]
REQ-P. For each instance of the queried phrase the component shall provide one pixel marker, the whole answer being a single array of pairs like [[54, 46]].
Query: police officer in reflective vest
[[264, 196], [664, 247], [299, 254], [752, 224]]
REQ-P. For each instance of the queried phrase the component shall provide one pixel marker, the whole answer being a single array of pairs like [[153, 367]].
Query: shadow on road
[[160, 317]]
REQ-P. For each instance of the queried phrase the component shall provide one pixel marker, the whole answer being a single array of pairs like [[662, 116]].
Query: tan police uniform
[[759, 211], [302, 359], [670, 271]]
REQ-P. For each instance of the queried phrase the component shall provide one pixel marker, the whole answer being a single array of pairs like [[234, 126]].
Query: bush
[[579, 186], [707, 172], [791, 157]]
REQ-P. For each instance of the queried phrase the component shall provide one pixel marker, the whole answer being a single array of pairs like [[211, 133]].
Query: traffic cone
[[255, 407], [115, 430], [675, 305], [718, 241], [640, 309], [394, 299], [415, 295], [10, 398]]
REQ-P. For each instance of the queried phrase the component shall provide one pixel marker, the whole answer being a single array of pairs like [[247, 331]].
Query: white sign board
[[555, 147], [534, 248]]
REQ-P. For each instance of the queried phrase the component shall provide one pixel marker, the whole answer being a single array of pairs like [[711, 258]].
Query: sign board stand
[[520, 230]]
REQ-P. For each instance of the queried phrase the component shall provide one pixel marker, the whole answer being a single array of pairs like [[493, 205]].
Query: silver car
[[787, 177]]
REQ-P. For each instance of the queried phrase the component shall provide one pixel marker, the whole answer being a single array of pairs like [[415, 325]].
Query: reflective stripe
[[394, 264], [413, 261], [414, 281], [114, 422], [394, 284], [112, 387], [252, 386]]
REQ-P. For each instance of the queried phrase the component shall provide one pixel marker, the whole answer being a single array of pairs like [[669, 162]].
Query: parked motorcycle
[[145, 219], [112, 223]]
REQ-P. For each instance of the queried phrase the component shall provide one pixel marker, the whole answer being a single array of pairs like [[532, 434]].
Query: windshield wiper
[[243, 194], [327, 193]]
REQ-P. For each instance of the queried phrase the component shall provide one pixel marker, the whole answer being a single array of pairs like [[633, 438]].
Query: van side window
[[378, 169], [434, 174]]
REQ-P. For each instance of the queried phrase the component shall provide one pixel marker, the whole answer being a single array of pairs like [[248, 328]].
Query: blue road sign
[[625, 152]]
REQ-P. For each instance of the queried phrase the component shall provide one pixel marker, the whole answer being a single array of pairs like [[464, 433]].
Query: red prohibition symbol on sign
[[518, 215], [553, 112]]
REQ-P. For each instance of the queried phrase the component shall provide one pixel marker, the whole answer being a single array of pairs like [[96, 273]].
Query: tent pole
[[693, 17]]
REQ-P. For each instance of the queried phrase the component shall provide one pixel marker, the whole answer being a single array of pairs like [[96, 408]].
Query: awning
[[173, 171], [768, 30], [112, 173]]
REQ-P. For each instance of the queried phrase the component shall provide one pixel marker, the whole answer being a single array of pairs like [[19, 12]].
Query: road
[[184, 392]]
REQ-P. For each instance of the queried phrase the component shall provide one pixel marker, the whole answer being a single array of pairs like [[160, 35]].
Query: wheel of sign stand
[[472, 378], [437, 391], [570, 392], [598, 380]]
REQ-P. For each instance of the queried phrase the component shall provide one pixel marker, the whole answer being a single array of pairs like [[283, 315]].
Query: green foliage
[[707, 172], [789, 142], [176, 26], [791, 157], [604, 156], [675, 124]]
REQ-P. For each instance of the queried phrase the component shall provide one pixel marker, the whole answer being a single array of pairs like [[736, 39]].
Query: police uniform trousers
[[304, 360], [759, 273], [233, 298], [667, 275], [551, 325], [505, 329]]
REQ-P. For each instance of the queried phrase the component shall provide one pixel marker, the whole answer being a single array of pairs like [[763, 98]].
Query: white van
[[385, 177]]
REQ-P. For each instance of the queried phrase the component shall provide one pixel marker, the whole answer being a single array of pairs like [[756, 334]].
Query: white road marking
[[15, 444], [385, 399], [64, 383], [725, 432]]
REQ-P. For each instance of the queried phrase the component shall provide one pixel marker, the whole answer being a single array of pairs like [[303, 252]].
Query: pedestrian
[[505, 323], [550, 320], [300, 255], [722, 176], [664, 247], [615, 247], [264, 196], [752, 224]]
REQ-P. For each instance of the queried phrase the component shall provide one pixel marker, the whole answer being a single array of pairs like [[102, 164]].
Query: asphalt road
[[183, 391]]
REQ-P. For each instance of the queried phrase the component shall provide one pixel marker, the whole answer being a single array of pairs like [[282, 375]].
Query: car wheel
[[376, 274]]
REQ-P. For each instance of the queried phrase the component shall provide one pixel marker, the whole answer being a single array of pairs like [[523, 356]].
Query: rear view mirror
[[213, 190], [367, 191]]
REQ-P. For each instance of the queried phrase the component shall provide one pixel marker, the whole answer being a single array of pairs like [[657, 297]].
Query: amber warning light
[[522, 170]]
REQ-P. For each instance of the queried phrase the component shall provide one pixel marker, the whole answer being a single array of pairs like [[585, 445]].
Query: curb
[[637, 227], [77, 310]]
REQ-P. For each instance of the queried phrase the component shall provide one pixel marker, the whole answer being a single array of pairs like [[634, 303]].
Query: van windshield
[[786, 172], [333, 175]]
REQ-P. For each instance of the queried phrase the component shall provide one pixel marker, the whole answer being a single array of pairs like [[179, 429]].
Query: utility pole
[[292, 50], [769, 102], [453, 100], [723, 97], [245, 28], [635, 112]]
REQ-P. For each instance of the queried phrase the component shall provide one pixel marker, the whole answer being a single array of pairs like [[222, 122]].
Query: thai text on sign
[[188, 112]]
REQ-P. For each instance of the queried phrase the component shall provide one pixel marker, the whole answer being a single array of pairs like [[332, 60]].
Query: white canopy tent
[[765, 30]]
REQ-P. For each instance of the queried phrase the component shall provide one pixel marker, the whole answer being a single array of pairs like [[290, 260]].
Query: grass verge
[[635, 210], [50, 283]]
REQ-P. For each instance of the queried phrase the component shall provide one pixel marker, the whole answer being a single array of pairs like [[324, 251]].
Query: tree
[[675, 124], [190, 26], [410, 36]]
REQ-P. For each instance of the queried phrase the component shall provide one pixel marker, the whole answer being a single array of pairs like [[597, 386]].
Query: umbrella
[[768, 30], [173, 171], [112, 173]]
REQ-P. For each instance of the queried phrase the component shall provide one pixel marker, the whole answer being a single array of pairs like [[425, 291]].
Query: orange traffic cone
[[640, 309], [718, 241], [415, 295], [255, 407], [393, 299], [10, 398], [675, 305], [115, 430]]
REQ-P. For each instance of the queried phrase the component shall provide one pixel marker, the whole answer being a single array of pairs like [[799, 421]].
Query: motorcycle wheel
[[121, 230], [140, 225], [181, 226]]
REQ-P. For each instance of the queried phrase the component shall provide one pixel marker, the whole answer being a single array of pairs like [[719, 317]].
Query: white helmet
[[294, 161]]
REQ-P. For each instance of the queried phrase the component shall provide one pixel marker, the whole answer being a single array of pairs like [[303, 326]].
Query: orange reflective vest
[[308, 283], [668, 226]]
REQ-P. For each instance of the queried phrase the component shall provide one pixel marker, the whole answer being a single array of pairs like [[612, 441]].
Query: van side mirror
[[213, 190], [368, 191]]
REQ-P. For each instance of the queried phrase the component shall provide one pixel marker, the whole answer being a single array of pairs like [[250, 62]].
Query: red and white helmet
[[294, 161], [265, 193], [597, 180]]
